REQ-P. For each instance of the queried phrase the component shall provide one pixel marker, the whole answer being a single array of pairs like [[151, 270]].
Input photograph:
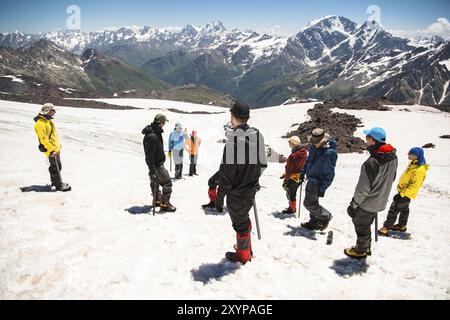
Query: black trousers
[[193, 166], [397, 207], [292, 188], [164, 181], [311, 203], [239, 208], [55, 170], [363, 220], [178, 159]]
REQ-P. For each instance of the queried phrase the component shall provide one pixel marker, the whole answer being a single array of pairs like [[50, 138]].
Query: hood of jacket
[[152, 128]]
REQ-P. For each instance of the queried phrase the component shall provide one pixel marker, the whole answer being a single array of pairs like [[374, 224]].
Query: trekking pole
[[376, 227], [300, 201], [170, 163], [256, 219]]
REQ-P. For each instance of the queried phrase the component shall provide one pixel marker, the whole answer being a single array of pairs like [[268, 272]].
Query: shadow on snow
[[214, 271], [140, 210], [46, 188], [349, 267], [301, 232]]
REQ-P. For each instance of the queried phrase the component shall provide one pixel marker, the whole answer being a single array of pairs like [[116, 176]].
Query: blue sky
[[284, 16]]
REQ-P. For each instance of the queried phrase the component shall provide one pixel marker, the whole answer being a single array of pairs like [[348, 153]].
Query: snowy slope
[[86, 244]]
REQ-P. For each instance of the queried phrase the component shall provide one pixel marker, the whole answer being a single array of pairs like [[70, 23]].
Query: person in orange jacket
[[192, 145]]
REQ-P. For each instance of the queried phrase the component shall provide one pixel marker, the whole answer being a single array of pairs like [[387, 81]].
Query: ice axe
[[300, 200], [255, 209], [376, 227]]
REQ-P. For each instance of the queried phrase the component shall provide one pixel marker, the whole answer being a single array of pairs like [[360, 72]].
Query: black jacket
[[153, 147], [240, 171]]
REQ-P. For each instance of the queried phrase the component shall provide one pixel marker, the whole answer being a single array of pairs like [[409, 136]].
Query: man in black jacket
[[155, 158], [243, 162]]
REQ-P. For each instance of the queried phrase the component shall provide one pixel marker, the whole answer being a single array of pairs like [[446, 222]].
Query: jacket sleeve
[[329, 168], [369, 172], [227, 172], [415, 183], [262, 153], [43, 136], [149, 147]]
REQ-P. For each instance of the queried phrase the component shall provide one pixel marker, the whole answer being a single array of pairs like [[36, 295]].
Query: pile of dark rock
[[340, 126], [353, 104], [445, 136]]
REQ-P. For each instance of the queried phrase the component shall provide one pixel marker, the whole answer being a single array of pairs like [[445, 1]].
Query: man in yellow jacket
[[49, 145], [408, 187]]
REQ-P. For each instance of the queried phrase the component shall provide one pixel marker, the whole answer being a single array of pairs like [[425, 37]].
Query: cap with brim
[[317, 136], [161, 118], [376, 133], [46, 108]]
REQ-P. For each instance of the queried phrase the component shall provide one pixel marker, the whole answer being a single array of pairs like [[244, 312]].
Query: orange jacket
[[192, 144]]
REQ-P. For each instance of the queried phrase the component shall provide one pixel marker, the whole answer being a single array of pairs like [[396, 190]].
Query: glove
[[283, 176], [170, 154], [351, 211], [321, 194], [301, 180], [400, 199]]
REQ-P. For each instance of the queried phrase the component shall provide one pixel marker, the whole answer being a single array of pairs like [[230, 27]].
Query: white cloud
[[441, 28]]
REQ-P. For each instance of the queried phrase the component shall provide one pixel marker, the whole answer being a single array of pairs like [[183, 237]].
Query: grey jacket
[[376, 179]]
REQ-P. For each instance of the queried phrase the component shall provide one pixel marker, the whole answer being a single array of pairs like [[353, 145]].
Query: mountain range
[[331, 57]]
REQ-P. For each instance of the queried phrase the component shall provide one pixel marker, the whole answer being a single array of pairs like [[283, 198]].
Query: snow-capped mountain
[[332, 56]]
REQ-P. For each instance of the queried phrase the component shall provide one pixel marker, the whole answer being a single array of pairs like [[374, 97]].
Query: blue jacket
[[176, 141], [321, 164]]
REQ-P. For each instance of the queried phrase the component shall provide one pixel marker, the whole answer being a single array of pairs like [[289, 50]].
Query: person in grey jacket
[[373, 189]]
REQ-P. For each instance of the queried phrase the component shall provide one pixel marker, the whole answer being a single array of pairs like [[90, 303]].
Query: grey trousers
[[165, 182], [362, 220], [311, 203]]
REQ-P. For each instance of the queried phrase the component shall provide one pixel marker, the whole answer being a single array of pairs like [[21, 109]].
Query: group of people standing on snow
[[243, 162]]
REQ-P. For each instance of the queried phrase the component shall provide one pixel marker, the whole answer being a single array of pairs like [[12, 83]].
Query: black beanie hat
[[240, 109]]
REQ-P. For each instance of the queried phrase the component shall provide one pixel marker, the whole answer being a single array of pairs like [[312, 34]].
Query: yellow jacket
[[412, 180], [47, 135]]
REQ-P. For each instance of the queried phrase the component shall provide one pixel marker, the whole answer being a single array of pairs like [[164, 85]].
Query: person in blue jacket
[[319, 171], [176, 147]]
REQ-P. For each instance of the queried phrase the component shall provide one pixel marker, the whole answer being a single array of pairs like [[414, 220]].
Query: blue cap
[[377, 133], [420, 154]]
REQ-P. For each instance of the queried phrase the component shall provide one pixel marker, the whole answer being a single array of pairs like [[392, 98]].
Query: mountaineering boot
[[292, 208], [243, 247], [323, 223], [399, 227], [211, 205], [355, 254], [167, 207], [384, 232]]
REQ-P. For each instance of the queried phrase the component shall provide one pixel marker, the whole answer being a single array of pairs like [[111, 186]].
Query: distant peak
[[214, 26]]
